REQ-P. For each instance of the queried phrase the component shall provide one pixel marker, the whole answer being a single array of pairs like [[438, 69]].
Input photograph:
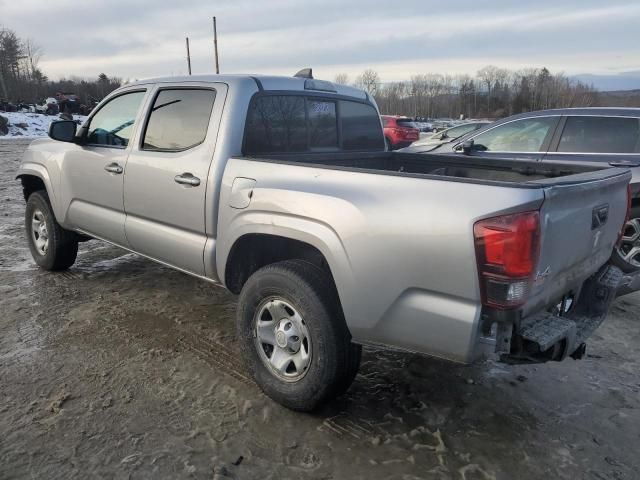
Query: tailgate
[[580, 222]]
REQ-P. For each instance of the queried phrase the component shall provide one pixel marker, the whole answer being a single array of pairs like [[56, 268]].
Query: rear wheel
[[52, 247], [296, 344], [627, 255]]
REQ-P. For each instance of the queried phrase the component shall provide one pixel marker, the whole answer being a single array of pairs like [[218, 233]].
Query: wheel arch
[[253, 249], [35, 177]]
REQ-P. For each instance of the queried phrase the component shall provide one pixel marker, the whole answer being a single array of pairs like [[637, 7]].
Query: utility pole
[[188, 56], [215, 44]]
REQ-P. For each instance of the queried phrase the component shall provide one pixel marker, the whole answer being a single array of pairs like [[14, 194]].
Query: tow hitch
[[558, 334]]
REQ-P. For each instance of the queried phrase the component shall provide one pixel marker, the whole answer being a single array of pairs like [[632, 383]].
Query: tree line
[[492, 93], [23, 81]]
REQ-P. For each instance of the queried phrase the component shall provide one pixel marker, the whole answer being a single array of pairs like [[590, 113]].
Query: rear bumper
[[546, 336], [401, 144]]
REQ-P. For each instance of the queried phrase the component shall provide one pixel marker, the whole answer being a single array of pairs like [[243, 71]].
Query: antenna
[[215, 44], [304, 73], [188, 56]]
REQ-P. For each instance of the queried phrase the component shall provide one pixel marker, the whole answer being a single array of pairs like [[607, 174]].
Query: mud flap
[[548, 336]]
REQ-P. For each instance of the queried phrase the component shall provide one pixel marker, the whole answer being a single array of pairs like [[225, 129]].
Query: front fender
[[40, 171]]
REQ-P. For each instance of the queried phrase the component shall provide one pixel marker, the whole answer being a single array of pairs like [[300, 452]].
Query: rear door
[[166, 176], [523, 138]]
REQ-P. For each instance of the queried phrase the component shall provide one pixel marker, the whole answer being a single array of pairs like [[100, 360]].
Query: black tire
[[334, 360], [62, 246], [617, 258]]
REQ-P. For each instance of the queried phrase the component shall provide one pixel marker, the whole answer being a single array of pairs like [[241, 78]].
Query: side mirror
[[467, 147], [63, 130]]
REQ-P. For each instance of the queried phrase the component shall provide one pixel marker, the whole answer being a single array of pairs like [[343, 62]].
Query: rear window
[[405, 122], [600, 135], [296, 123], [323, 125], [360, 127]]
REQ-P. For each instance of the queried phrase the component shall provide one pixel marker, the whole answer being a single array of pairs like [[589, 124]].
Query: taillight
[[507, 250]]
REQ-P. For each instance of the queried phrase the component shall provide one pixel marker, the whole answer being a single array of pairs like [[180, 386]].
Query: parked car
[[424, 127], [584, 136], [448, 135], [280, 189], [399, 131], [440, 125]]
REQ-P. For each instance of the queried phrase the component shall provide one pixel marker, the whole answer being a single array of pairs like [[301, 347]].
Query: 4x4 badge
[[541, 276]]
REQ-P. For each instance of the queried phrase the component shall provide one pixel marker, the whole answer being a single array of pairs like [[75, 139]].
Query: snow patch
[[31, 125]]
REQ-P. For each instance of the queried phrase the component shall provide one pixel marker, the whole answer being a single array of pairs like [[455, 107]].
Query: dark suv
[[584, 135]]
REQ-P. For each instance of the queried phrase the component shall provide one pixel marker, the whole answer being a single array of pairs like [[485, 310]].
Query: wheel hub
[[39, 232], [629, 248], [287, 335], [282, 340]]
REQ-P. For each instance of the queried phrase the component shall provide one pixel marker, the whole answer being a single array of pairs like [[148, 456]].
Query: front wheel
[[52, 247], [627, 255], [295, 341]]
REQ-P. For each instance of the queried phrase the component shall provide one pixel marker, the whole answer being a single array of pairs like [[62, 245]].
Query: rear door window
[[179, 119], [297, 123], [600, 135], [526, 135]]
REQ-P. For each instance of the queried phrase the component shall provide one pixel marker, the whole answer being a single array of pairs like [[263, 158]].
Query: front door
[[166, 179], [92, 173]]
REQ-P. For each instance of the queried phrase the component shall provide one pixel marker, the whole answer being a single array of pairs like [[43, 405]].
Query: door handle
[[187, 179], [114, 168]]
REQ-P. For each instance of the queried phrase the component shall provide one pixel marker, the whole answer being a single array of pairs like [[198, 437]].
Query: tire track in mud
[[217, 355]]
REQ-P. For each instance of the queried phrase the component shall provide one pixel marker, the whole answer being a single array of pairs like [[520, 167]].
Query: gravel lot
[[121, 368]]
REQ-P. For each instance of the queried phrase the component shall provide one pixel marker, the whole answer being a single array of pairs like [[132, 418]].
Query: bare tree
[[341, 79], [505, 93], [369, 81]]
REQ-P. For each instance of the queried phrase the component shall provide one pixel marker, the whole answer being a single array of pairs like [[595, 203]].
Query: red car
[[399, 132]]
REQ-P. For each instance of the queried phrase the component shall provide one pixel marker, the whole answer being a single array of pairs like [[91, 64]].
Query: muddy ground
[[121, 368]]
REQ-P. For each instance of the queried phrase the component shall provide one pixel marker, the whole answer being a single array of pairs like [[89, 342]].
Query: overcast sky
[[140, 38]]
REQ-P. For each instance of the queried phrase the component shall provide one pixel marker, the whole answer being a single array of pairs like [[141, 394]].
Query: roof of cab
[[587, 111], [266, 82]]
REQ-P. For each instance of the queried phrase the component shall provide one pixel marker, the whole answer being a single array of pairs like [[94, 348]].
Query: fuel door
[[241, 192]]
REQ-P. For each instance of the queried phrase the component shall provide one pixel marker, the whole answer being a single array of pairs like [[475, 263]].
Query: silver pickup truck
[[280, 190]]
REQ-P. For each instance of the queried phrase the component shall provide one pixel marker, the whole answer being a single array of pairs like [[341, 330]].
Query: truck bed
[[468, 169]]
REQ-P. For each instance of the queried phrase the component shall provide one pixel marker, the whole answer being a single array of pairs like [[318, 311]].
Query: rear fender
[[316, 234]]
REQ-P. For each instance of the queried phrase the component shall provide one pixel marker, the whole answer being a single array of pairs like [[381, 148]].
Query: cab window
[[112, 125], [300, 123], [179, 119], [526, 135], [600, 135]]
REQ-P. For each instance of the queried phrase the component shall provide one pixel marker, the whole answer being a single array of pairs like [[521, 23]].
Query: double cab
[[281, 190]]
